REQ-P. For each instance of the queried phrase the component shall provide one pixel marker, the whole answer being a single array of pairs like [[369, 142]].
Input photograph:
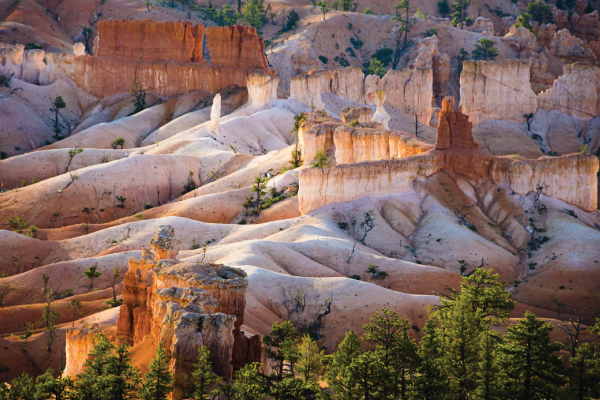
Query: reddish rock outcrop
[[572, 178], [150, 40], [236, 46], [186, 306], [454, 129], [361, 114], [169, 66]]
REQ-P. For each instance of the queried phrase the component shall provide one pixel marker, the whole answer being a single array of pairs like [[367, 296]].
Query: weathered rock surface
[[485, 26], [573, 177], [569, 48], [496, 90], [347, 83], [307, 88], [262, 88], [576, 92], [361, 114], [521, 40], [236, 46], [215, 113], [381, 115], [150, 40]]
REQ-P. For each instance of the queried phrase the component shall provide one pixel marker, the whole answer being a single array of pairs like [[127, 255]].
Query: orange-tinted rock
[[150, 40], [164, 245], [236, 46], [364, 142], [361, 114], [454, 129]]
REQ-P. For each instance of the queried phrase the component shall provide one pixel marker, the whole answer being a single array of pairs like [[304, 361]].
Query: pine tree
[[523, 21], [92, 383], [367, 370], [347, 5], [584, 382], [297, 153], [281, 346], [49, 319], [485, 50], [91, 273], [74, 305], [249, 383], [57, 105], [338, 375], [124, 380], [22, 388], [526, 356], [431, 380], [489, 378], [539, 11], [259, 187], [49, 387], [310, 363], [460, 14], [203, 379], [158, 382], [254, 14]]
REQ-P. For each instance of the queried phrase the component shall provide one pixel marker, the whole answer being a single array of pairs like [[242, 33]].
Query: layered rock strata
[[496, 90], [381, 115], [570, 178], [163, 57], [262, 88], [186, 306], [409, 90], [576, 92]]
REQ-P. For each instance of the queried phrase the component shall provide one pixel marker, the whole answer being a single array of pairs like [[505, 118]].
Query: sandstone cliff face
[[381, 114], [572, 177], [348, 84], [569, 48], [169, 66], [317, 134], [496, 90], [186, 306], [262, 88], [484, 26], [150, 40], [576, 92], [365, 142], [361, 114], [307, 88], [236, 46], [521, 40]]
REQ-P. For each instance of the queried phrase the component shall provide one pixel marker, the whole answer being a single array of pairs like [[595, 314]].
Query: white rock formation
[[520, 40], [307, 89], [215, 113], [79, 49], [33, 63], [381, 115], [496, 90], [485, 26], [262, 88]]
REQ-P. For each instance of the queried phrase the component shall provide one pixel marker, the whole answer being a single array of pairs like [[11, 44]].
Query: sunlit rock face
[[576, 92], [165, 58], [497, 90], [357, 174], [262, 88]]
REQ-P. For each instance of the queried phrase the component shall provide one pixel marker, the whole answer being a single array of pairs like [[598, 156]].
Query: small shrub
[[112, 303], [118, 142], [242, 222], [473, 228], [147, 207], [356, 43], [353, 124], [431, 32], [189, 185], [342, 225], [67, 293], [139, 217], [532, 265], [356, 277]]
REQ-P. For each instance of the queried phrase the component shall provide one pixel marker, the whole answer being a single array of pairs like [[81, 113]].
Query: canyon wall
[[409, 90], [570, 178], [165, 58], [184, 306], [576, 92], [496, 90]]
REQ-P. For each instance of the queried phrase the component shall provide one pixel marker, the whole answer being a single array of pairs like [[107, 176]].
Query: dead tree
[[574, 328], [462, 217], [367, 225]]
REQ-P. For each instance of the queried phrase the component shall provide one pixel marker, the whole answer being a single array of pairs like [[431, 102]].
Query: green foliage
[[459, 16], [384, 55], [18, 225], [376, 68], [310, 363], [353, 124], [296, 152], [118, 142], [250, 384], [91, 273], [347, 5], [203, 379], [523, 21], [158, 382], [254, 14], [291, 21], [325, 8], [139, 95], [540, 11], [49, 387], [324, 59], [321, 159], [57, 105], [443, 7], [485, 50], [260, 184], [189, 185], [74, 305], [431, 32], [281, 347], [338, 374]]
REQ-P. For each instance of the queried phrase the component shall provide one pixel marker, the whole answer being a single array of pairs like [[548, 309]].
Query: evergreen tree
[[584, 382], [281, 346], [376, 67], [124, 380], [259, 187], [158, 382], [249, 383], [91, 383], [338, 375], [367, 370], [485, 50], [74, 305], [294, 389], [91, 273], [540, 11], [22, 388], [49, 387], [203, 379], [431, 381], [347, 5], [443, 7], [489, 378], [460, 14], [57, 105], [523, 21], [526, 356], [254, 14], [310, 363], [49, 319], [297, 153]]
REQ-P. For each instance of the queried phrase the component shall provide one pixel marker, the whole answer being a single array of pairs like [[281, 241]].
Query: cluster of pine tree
[[459, 356]]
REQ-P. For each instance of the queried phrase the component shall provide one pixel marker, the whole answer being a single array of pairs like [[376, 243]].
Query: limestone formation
[[540, 79], [317, 134], [165, 58], [348, 83], [572, 178], [381, 115], [236, 46], [520, 40], [485, 26], [454, 129], [186, 306], [79, 49], [569, 48], [496, 90], [262, 88], [364, 142], [545, 33], [33, 63], [11, 59], [576, 92], [150, 40], [307, 89], [586, 26], [215, 113], [361, 114]]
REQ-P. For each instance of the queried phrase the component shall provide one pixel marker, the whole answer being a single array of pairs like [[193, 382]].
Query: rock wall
[[409, 90], [25, 65], [262, 88], [365, 142], [572, 178], [169, 66], [236, 46], [569, 48], [150, 40], [576, 92], [496, 90]]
